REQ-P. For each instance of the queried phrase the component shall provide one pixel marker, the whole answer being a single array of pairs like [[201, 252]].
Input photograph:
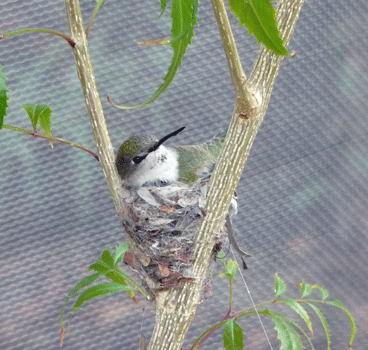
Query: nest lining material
[[162, 222]]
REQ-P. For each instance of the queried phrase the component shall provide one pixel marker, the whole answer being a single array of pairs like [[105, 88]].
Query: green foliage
[[120, 251], [305, 289], [39, 113], [288, 331], [184, 18], [233, 336], [163, 7], [3, 97], [106, 265], [340, 305], [99, 290], [324, 292], [280, 287], [299, 309], [259, 17], [288, 336], [324, 323], [231, 269]]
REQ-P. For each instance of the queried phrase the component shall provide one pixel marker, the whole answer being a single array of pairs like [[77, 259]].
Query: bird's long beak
[[160, 142]]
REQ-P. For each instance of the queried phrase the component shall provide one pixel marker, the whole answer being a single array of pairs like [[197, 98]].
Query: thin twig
[[52, 138], [93, 17], [70, 41]]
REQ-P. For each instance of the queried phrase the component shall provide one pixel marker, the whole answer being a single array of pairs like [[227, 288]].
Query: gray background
[[302, 197]]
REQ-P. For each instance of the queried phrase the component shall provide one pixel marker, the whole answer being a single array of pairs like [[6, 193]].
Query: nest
[[161, 222]]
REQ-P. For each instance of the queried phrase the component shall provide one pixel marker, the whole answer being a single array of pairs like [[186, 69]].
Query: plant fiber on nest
[[162, 222]]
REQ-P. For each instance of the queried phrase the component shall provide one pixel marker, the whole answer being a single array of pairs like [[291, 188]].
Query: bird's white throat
[[159, 166]]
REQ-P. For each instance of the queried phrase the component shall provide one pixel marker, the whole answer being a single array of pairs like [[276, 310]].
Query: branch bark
[[93, 102], [175, 309]]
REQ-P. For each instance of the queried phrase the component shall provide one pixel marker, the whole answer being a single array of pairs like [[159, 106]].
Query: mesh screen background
[[302, 196]]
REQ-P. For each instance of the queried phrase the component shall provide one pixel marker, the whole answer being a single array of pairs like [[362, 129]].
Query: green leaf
[[184, 18], [107, 258], [163, 7], [117, 276], [231, 269], [39, 113], [99, 266], [351, 319], [221, 255], [299, 309], [306, 289], [259, 17], [120, 252], [114, 274], [233, 336], [105, 263], [324, 323], [100, 2], [280, 287], [3, 97], [324, 292], [99, 290], [80, 285], [290, 339]]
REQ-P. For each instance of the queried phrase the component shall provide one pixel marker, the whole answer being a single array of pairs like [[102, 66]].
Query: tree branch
[[176, 308], [93, 102], [238, 77]]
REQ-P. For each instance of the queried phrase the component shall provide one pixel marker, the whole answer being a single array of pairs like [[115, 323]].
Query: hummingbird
[[143, 160]]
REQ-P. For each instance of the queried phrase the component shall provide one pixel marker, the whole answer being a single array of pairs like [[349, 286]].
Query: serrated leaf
[[351, 319], [120, 251], [184, 18], [119, 277], [3, 97], [99, 290], [259, 17], [39, 113], [231, 269], [299, 309], [305, 289], [80, 285], [290, 339], [233, 336], [280, 287], [324, 323], [107, 265], [324, 292], [99, 266], [107, 258]]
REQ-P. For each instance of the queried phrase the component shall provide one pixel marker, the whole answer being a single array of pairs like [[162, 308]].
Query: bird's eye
[[138, 159]]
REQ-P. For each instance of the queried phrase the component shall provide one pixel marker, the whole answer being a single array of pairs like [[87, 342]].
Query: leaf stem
[[231, 296], [43, 136], [70, 41], [99, 4]]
